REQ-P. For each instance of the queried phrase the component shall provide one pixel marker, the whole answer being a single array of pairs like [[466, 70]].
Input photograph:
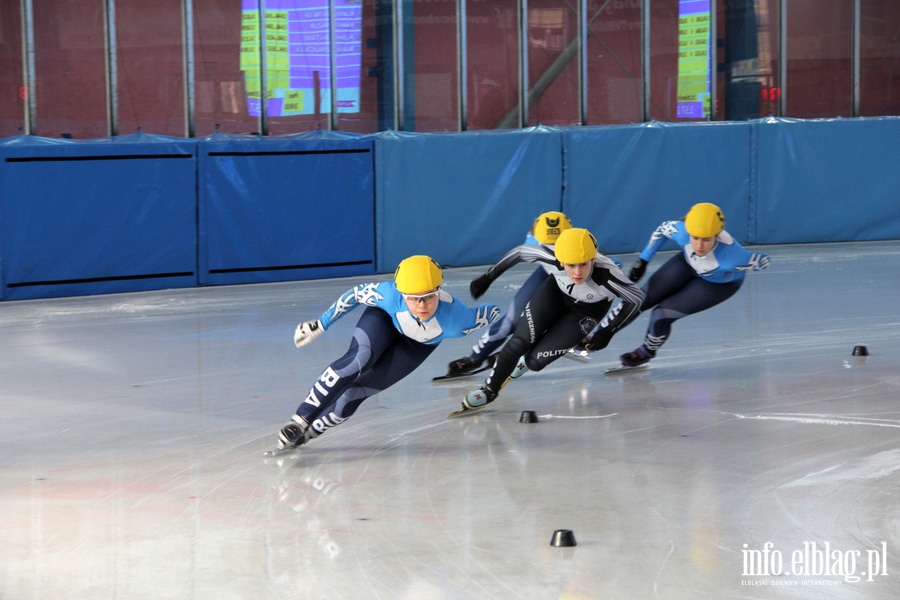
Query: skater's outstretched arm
[[365, 293], [519, 254]]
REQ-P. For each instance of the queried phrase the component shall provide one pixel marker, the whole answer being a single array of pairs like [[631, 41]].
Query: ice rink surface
[[756, 458]]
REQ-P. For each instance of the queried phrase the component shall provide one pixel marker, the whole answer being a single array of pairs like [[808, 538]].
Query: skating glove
[[480, 285], [307, 332], [637, 270], [758, 261], [600, 341]]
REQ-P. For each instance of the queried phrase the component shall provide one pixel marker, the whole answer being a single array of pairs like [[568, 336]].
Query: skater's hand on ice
[[599, 341], [307, 332], [637, 270], [479, 286]]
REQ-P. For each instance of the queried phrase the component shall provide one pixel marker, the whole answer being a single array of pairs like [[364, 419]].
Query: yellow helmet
[[575, 246], [417, 274], [704, 220], [549, 225]]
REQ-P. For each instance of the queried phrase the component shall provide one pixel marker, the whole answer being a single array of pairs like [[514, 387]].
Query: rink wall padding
[[829, 180], [147, 212], [285, 209], [83, 218], [624, 181], [463, 199]]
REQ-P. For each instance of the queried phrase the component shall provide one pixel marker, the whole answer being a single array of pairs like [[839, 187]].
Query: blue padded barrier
[[112, 215], [121, 214], [623, 181], [285, 208], [830, 180], [464, 198]]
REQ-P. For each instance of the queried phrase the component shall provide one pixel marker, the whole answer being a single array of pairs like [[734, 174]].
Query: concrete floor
[[756, 458]]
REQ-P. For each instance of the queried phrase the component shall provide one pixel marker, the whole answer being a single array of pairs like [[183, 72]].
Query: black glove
[[479, 285], [637, 270], [600, 341]]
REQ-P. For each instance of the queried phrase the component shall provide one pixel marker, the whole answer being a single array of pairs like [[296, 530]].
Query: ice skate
[[466, 366], [578, 354], [631, 361], [521, 369], [638, 357], [475, 400], [292, 436]]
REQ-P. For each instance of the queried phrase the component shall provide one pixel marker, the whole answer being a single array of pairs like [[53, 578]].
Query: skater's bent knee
[[533, 363], [516, 346]]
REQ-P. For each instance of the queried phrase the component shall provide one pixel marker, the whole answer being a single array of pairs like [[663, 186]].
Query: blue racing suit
[[388, 343], [687, 283]]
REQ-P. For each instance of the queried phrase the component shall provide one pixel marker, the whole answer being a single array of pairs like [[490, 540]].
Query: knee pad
[[516, 345], [533, 363]]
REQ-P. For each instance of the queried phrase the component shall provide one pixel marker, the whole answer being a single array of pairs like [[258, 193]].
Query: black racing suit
[[561, 313]]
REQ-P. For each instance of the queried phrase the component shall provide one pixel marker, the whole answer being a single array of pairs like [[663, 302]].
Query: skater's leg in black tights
[[502, 328], [676, 291], [379, 356], [542, 311]]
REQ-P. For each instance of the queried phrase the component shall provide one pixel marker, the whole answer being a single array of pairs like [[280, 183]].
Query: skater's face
[[702, 245], [578, 273], [423, 305]]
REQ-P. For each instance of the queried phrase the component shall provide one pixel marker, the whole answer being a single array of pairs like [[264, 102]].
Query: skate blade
[[276, 451], [461, 375], [623, 370], [578, 356], [462, 410]]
